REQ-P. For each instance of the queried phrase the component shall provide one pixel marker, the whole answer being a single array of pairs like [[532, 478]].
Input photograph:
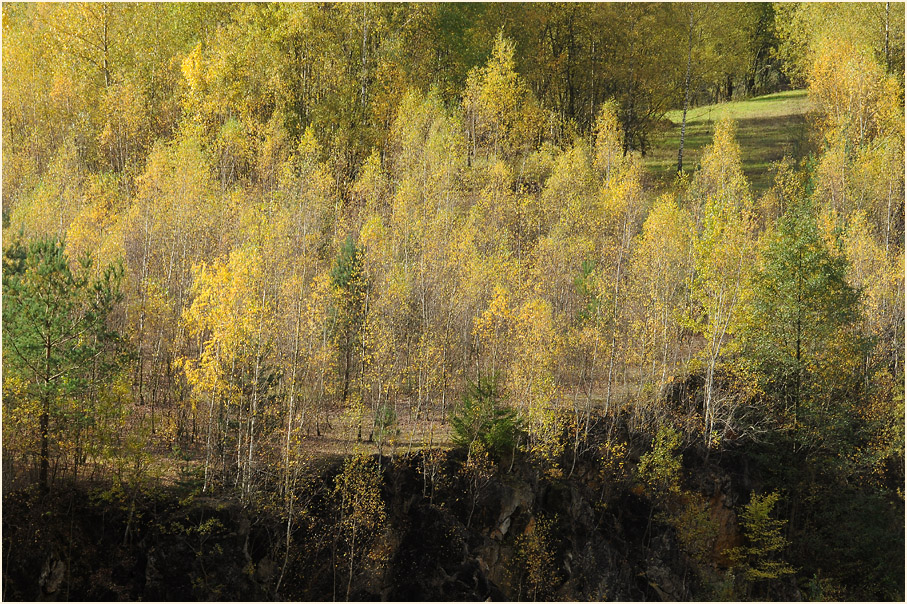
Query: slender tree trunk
[[614, 313], [43, 479], [592, 98], [362, 75], [589, 386], [289, 533], [887, 37], [140, 369], [888, 217], [45, 464], [255, 391], [292, 406], [797, 395], [475, 498], [799, 334], [576, 418], [347, 359], [247, 478], [571, 92], [709, 412], [208, 440], [106, 8], [288, 489], [349, 583], [686, 97], [664, 354]]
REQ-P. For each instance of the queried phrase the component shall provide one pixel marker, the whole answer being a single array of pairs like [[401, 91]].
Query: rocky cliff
[[520, 533]]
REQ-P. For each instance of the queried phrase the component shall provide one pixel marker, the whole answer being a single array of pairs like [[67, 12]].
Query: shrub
[[482, 417], [385, 429], [765, 541], [536, 558], [361, 509], [659, 469]]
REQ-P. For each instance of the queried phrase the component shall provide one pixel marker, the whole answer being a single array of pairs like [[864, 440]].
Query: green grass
[[768, 128]]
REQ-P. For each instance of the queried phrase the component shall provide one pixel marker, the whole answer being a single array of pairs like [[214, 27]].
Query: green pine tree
[[55, 330], [799, 330], [350, 288]]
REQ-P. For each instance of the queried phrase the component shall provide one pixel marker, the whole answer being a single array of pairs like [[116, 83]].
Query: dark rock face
[[76, 546], [433, 561]]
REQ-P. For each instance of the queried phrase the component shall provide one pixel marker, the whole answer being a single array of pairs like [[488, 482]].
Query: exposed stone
[[729, 537], [52, 576], [505, 525], [425, 551]]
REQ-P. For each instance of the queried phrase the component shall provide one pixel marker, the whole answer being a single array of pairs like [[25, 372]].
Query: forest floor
[[768, 128], [336, 435], [335, 438]]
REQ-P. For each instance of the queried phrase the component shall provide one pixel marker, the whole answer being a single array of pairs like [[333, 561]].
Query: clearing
[[768, 128]]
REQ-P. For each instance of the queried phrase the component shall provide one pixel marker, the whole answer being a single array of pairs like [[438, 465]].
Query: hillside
[[769, 128], [306, 299]]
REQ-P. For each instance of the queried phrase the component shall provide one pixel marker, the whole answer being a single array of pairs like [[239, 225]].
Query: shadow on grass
[[762, 140], [779, 96]]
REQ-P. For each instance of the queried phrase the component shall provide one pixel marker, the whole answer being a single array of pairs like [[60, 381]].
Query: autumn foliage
[[240, 235]]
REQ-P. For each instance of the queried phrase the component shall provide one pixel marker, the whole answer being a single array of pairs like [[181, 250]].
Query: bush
[[482, 417], [385, 428], [659, 470], [765, 541], [536, 559]]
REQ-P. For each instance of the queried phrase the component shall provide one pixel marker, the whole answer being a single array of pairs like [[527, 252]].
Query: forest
[[453, 301]]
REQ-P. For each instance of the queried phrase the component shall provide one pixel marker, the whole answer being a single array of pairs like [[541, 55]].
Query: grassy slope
[[768, 128]]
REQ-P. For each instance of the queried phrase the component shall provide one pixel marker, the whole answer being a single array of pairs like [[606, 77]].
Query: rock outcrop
[[217, 548]]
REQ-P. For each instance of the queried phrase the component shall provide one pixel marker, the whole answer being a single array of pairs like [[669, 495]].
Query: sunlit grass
[[768, 128]]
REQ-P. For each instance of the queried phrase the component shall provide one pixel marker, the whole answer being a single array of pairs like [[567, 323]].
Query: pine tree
[[350, 287], [55, 331], [800, 325]]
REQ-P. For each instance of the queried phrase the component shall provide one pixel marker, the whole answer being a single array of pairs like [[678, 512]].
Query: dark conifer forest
[[453, 301]]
